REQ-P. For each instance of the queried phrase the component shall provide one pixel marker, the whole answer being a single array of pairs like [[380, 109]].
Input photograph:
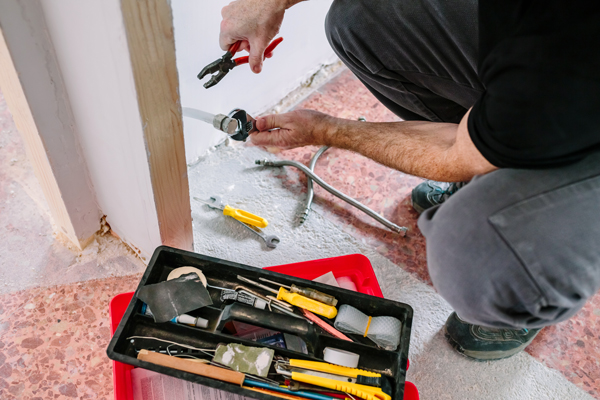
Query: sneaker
[[485, 344], [431, 193]]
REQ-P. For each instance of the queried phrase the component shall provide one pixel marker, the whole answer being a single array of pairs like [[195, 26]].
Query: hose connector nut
[[226, 124]]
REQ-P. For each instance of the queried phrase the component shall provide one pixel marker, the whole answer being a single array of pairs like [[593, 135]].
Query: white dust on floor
[[30, 253], [52, 262], [436, 369]]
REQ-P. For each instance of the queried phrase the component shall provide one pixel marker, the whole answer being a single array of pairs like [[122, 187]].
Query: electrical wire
[[170, 341], [205, 351]]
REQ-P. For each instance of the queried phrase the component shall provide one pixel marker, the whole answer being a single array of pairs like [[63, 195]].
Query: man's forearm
[[427, 149], [290, 3]]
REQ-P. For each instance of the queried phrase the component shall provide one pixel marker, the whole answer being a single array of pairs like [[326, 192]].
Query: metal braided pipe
[[310, 192], [269, 163]]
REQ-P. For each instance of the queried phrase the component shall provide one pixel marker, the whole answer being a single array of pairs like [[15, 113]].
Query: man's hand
[[293, 129], [253, 22]]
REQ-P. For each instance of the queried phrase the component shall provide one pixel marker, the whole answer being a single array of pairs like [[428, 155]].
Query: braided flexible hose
[[310, 192], [270, 163]]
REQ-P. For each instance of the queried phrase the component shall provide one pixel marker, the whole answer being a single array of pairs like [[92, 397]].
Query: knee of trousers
[[477, 273], [336, 25], [346, 30]]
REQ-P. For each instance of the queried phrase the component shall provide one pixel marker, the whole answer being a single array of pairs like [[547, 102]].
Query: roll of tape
[[340, 357], [177, 272]]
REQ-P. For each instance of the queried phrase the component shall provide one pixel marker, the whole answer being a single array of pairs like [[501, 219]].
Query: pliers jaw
[[226, 63], [220, 66]]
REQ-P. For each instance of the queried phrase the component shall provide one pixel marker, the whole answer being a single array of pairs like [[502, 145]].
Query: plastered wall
[[303, 51]]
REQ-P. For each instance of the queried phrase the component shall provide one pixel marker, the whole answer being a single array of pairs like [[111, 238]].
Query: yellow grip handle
[[332, 369], [245, 216], [308, 304], [362, 391]]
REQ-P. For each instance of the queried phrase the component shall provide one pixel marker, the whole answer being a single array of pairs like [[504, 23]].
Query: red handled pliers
[[226, 63]]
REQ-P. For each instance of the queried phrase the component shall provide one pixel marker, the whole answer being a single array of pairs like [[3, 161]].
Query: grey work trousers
[[514, 248]]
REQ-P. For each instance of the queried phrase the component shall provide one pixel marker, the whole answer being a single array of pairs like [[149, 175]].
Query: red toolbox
[[355, 267]]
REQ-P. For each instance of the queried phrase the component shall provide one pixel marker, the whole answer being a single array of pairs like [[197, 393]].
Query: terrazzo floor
[[54, 301]]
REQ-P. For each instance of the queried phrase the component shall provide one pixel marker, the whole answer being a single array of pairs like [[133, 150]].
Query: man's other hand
[[293, 129], [253, 22]]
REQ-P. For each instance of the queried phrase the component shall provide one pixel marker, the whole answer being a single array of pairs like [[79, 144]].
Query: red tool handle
[[268, 50], [235, 47]]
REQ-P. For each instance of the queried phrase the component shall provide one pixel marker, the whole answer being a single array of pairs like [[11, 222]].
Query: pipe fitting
[[225, 124]]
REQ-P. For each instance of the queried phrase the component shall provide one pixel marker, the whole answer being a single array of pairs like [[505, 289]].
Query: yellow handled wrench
[[235, 213]]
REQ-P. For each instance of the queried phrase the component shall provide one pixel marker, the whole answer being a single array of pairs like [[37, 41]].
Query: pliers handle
[[226, 63]]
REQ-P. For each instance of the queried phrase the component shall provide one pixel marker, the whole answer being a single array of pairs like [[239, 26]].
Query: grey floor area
[[437, 371], [31, 254]]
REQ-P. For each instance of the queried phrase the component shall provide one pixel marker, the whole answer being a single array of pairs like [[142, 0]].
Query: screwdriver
[[308, 292], [236, 213], [296, 299]]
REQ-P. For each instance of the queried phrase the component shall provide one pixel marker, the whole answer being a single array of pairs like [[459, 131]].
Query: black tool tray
[[223, 274]]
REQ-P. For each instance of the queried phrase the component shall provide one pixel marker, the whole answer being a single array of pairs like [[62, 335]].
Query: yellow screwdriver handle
[[308, 304], [362, 391], [245, 216], [332, 369]]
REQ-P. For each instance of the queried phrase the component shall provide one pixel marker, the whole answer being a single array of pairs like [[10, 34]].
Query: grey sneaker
[[431, 193], [486, 344]]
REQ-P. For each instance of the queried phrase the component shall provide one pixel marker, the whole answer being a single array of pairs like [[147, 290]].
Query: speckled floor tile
[[572, 347], [53, 340]]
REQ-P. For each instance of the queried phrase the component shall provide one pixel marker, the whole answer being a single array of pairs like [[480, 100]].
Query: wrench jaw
[[272, 241], [245, 122], [217, 202]]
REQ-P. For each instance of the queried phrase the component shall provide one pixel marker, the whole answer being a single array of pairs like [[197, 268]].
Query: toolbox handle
[[266, 319]]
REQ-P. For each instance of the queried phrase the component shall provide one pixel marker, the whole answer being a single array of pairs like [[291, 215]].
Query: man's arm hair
[[432, 150]]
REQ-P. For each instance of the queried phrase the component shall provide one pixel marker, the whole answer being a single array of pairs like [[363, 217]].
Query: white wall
[[302, 51], [91, 46], [36, 93]]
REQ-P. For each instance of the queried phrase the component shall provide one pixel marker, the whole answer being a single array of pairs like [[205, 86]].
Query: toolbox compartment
[[392, 364]]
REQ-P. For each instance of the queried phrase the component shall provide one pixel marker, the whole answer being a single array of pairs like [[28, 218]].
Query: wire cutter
[[226, 63]]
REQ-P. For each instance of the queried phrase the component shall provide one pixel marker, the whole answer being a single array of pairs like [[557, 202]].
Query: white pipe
[[198, 114]]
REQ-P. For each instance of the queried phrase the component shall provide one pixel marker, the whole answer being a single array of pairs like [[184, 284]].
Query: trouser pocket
[[556, 236]]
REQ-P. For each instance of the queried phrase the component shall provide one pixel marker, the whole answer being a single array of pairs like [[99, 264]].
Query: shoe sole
[[484, 355]]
